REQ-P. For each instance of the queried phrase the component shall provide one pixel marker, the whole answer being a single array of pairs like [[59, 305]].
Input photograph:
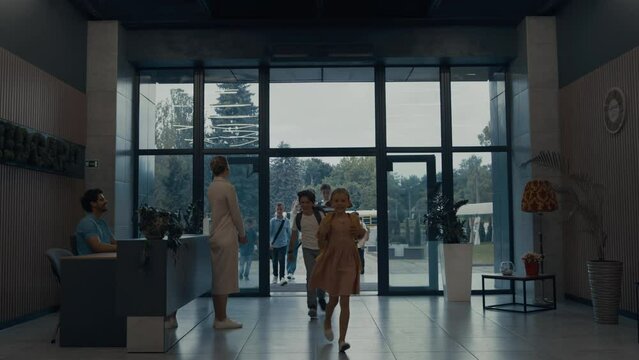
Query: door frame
[[383, 261]]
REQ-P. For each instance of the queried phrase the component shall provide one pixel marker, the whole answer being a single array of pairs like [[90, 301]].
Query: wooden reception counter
[[122, 300]]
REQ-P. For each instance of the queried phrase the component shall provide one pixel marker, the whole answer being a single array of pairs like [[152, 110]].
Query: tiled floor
[[398, 328]]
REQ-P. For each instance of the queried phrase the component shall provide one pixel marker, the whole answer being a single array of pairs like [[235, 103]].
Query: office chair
[[54, 255], [74, 245]]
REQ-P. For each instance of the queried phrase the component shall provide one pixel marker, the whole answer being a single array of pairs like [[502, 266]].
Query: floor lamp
[[539, 197]]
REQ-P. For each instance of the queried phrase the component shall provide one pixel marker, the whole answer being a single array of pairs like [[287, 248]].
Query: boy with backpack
[[280, 232], [307, 223]]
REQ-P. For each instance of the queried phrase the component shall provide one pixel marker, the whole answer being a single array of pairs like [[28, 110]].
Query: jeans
[[311, 294], [361, 259], [292, 265], [245, 265], [279, 258]]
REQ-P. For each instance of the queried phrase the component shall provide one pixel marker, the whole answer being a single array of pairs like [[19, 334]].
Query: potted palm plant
[[584, 198], [455, 252]]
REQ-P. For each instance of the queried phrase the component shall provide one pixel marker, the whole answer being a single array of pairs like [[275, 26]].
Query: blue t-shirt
[[88, 227], [251, 237], [285, 234]]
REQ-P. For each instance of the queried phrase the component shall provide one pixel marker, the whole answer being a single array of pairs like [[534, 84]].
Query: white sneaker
[[227, 324], [283, 281], [290, 276], [274, 280]]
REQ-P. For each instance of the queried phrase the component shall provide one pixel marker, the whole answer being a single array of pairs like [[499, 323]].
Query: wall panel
[[37, 210], [612, 159]]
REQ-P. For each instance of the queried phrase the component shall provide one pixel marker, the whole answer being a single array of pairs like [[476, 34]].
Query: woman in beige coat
[[227, 229]]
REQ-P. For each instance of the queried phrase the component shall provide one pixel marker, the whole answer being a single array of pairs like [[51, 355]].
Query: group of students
[[329, 247]]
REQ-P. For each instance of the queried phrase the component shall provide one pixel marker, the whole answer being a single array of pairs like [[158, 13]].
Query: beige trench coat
[[226, 226]]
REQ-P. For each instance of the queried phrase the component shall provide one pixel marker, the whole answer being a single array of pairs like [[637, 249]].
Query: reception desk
[[87, 312], [122, 299], [152, 282]]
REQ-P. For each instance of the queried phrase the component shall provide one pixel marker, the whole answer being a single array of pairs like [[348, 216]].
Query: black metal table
[[513, 305]]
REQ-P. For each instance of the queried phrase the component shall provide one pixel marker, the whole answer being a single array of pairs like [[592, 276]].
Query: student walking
[[306, 223], [280, 233], [291, 262], [247, 250], [337, 268]]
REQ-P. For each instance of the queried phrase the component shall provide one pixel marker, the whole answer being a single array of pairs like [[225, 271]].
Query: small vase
[[532, 268], [507, 268]]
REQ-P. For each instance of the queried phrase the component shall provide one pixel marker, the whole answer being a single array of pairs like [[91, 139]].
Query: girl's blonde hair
[[218, 165], [342, 191]]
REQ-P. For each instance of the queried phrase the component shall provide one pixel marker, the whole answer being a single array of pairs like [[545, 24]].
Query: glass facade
[[165, 181], [478, 101], [413, 107], [309, 105], [327, 125], [166, 109]]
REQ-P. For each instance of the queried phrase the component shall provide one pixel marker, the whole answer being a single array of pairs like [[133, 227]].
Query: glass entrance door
[[412, 249]]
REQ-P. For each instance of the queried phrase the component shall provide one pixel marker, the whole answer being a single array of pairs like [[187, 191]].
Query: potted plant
[[455, 252], [584, 198], [531, 263], [155, 223]]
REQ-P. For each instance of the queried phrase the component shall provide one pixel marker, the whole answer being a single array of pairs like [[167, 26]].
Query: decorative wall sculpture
[[28, 148]]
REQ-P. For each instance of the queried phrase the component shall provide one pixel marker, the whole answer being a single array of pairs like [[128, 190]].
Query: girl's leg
[[344, 316], [332, 303], [219, 303]]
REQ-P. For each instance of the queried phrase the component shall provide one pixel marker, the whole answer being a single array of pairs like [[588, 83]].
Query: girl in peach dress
[[337, 268]]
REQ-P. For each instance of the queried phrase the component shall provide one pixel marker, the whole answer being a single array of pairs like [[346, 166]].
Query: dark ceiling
[[207, 13]]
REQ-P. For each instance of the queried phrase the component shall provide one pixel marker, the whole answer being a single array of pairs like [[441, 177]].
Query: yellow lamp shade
[[539, 196]]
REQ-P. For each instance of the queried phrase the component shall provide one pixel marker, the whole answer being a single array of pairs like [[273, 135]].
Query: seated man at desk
[[92, 235]]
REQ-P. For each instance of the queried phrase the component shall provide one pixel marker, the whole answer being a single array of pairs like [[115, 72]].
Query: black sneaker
[[312, 312], [322, 303]]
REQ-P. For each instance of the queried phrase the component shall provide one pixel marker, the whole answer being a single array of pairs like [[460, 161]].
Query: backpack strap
[[298, 217], [298, 221], [317, 214]]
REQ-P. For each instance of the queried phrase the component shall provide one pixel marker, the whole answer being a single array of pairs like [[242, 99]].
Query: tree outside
[[286, 179], [171, 178], [314, 172], [234, 123], [357, 175]]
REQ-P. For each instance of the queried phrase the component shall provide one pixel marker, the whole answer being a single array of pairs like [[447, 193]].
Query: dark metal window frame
[[380, 151]]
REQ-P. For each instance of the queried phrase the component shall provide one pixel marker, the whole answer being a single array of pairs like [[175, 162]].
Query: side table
[[513, 306]]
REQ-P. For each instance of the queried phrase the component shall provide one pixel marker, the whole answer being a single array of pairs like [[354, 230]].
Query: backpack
[[316, 211]]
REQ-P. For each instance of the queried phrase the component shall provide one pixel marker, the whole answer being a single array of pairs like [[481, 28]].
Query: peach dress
[[337, 267]]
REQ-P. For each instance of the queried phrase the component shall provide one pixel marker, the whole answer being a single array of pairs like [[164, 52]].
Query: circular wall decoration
[[614, 110]]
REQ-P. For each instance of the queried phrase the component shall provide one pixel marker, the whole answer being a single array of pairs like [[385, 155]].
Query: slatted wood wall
[[612, 159], [37, 210]]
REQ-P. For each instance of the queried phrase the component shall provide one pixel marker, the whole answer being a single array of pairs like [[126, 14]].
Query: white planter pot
[[456, 264]]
